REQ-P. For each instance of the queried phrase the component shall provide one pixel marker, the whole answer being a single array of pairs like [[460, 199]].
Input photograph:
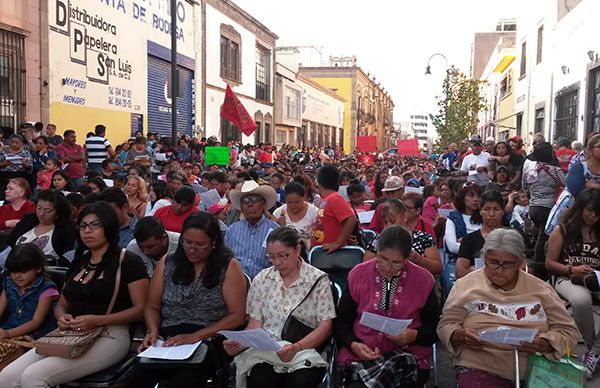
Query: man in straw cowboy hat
[[247, 238]]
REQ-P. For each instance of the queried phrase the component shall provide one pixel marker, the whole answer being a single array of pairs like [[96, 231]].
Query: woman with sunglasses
[[502, 295], [196, 292], [390, 286], [84, 302]]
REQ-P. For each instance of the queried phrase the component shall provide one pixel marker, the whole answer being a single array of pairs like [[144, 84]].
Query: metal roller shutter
[[159, 105]]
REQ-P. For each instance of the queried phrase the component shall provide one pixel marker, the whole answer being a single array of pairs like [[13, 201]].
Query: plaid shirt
[[16, 160], [391, 370]]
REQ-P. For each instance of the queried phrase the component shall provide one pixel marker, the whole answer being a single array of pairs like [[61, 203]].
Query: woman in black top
[[50, 227], [84, 303], [491, 207]]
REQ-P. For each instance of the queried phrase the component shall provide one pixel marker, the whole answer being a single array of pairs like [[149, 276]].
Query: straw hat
[[251, 187]]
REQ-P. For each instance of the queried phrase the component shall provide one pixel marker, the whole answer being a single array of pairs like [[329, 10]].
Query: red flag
[[233, 111]]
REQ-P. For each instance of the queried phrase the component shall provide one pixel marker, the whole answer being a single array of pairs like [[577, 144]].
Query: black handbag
[[293, 329]]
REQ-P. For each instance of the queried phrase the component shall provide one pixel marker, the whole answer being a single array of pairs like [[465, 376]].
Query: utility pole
[[174, 78]]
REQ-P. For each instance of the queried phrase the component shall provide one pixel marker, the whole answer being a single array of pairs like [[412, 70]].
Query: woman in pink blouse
[[390, 286]]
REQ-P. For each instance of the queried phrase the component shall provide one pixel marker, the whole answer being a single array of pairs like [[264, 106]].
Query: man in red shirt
[[336, 219], [71, 154], [172, 216]]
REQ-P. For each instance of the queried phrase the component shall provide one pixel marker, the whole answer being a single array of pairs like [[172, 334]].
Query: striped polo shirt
[[96, 149]]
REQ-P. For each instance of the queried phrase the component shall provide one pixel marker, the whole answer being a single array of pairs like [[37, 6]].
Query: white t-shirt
[[481, 160], [150, 264], [304, 225], [43, 241]]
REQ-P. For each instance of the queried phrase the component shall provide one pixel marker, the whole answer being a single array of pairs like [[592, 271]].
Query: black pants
[[263, 376], [539, 216], [140, 377]]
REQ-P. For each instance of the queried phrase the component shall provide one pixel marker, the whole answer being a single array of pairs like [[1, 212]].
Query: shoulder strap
[[117, 283], [309, 292]]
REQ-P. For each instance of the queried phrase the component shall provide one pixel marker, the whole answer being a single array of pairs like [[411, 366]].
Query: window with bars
[[12, 79], [566, 114], [263, 74], [523, 68], [593, 101]]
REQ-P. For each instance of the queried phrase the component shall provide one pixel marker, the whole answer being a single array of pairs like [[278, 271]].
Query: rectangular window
[[505, 85], [566, 114], [540, 44], [292, 104], [539, 120], [12, 79], [523, 59], [280, 137], [263, 74], [519, 124], [230, 59]]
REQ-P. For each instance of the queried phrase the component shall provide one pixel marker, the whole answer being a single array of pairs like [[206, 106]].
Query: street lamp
[[447, 88]]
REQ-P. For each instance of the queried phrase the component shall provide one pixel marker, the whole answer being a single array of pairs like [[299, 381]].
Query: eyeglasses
[[251, 200], [504, 265], [279, 256], [94, 225], [187, 244]]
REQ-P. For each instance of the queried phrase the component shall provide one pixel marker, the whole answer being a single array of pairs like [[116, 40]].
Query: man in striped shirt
[[98, 148]]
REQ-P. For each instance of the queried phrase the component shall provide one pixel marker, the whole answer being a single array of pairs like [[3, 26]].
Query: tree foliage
[[458, 108]]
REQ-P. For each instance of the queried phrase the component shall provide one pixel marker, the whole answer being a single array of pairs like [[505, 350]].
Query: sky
[[392, 39]]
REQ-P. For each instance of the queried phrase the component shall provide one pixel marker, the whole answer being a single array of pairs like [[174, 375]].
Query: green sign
[[216, 155]]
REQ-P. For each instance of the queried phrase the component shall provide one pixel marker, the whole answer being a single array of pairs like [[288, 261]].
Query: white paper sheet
[[160, 157], [210, 197], [181, 352], [479, 263], [108, 182], [472, 172], [365, 217], [258, 339], [385, 325], [445, 212], [410, 189], [508, 336]]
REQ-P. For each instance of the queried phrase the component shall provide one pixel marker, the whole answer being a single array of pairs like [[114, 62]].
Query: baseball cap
[[476, 140], [393, 183]]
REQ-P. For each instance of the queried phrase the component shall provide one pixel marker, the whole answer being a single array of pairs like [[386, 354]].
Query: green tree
[[458, 108]]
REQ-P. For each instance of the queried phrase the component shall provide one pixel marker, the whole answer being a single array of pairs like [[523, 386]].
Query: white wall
[[576, 34], [214, 98], [536, 87]]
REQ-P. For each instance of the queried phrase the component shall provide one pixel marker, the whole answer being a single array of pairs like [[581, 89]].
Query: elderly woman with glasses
[[390, 286], [195, 292], [502, 295], [289, 289]]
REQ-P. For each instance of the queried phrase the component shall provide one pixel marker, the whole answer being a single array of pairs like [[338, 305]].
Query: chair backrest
[[248, 282], [343, 259], [58, 275], [336, 291]]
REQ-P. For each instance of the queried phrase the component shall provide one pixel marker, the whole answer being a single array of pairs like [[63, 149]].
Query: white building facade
[[239, 51], [558, 71]]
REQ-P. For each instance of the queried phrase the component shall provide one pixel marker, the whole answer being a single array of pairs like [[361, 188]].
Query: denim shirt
[[22, 307]]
